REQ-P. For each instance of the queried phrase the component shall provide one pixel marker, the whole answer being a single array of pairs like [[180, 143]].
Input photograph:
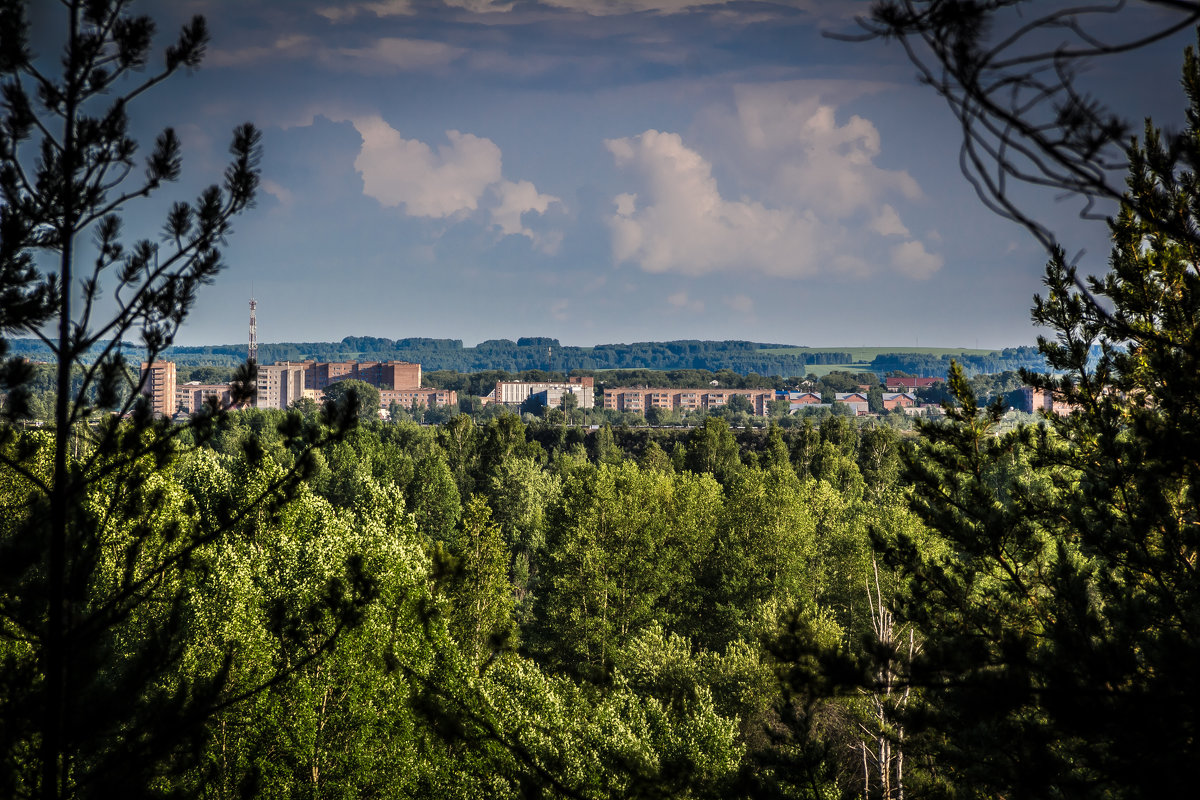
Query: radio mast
[[252, 350]]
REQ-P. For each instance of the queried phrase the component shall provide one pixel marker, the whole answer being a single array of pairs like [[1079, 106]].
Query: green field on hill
[[862, 356], [866, 354]]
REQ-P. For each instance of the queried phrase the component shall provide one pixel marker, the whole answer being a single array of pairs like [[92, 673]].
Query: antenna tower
[[252, 350]]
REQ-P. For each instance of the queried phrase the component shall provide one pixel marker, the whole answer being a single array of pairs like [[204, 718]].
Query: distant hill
[[543, 353]]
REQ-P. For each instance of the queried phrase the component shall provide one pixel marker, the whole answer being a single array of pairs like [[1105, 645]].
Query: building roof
[[911, 383]]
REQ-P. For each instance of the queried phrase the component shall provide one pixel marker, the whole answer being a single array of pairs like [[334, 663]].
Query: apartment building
[[390, 374], [190, 396], [517, 392], [279, 385], [159, 385], [638, 400], [1034, 400], [406, 398]]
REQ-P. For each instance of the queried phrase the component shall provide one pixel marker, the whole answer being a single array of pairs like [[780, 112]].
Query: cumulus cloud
[[458, 178], [887, 222], [688, 227], [812, 198], [911, 259], [515, 200], [280, 193], [428, 183]]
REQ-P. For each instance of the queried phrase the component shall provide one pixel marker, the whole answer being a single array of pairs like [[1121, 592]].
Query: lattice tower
[[252, 351]]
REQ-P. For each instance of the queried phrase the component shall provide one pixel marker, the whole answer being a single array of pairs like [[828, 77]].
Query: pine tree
[[1062, 624], [89, 706]]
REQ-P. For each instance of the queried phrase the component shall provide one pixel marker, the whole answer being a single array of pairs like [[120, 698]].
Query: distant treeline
[[527, 353], [481, 383], [546, 354], [924, 364]]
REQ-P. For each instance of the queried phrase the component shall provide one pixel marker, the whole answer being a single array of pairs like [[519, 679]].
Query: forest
[[589, 615]]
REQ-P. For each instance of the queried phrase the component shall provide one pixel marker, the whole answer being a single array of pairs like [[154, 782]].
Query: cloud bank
[[456, 179], [814, 201]]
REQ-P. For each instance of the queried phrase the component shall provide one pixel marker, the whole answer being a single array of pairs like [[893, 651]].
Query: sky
[[599, 171]]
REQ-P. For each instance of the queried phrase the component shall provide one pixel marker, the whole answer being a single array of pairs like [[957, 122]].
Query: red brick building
[[1035, 400], [392, 374], [159, 386], [898, 400], [405, 398]]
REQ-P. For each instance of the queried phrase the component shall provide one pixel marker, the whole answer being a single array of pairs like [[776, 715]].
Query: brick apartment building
[[1034, 400], [640, 399], [281, 384], [159, 386], [380, 374], [407, 398]]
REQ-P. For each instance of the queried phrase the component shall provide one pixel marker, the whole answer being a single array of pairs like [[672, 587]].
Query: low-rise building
[[898, 400], [856, 400], [800, 400]]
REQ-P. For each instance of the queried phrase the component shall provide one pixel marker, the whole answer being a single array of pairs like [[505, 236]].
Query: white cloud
[[558, 309], [515, 199], [911, 259], [812, 199], [280, 193], [794, 144], [455, 180], [688, 227], [407, 172], [887, 222]]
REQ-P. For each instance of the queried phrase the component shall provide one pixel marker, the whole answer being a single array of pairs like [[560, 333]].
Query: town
[[282, 384]]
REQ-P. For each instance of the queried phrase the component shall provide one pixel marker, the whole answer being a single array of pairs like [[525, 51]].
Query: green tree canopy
[[359, 397], [1061, 613]]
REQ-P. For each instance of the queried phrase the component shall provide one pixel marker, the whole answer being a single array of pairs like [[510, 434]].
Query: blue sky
[[601, 171]]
